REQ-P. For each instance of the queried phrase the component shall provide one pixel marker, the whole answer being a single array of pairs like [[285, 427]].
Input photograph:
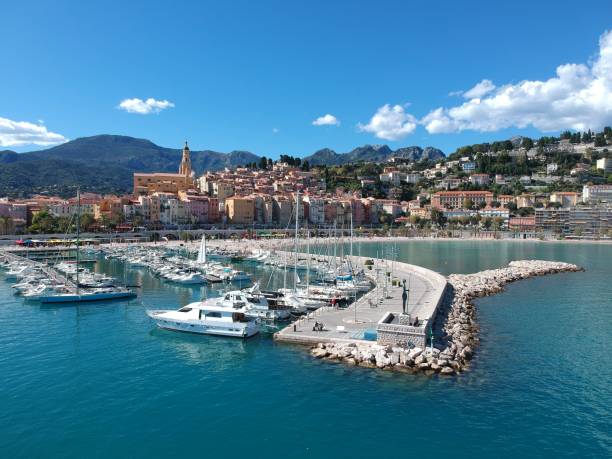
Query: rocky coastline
[[455, 329]]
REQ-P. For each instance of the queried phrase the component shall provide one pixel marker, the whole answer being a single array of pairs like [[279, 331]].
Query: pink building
[[197, 207], [358, 211]]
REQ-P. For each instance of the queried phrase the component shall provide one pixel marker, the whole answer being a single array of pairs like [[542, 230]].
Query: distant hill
[[102, 163], [139, 154], [106, 163], [372, 153]]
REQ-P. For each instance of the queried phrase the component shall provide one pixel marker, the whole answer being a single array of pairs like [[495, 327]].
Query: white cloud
[[275, 130], [17, 133], [390, 123], [326, 120], [481, 89], [144, 107], [579, 97]]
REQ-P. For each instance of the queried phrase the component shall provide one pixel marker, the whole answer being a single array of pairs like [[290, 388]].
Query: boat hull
[[86, 298], [200, 328]]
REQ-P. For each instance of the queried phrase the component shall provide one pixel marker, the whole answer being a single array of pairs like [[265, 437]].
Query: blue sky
[[255, 75]]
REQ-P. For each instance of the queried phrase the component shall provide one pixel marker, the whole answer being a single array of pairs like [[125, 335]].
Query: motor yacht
[[207, 319]]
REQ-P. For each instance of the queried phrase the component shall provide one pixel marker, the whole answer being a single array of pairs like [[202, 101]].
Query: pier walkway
[[359, 321]]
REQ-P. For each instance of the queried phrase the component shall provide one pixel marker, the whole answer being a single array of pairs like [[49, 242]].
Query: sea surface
[[98, 380]]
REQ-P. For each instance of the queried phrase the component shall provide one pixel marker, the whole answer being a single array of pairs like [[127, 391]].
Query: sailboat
[[90, 294], [202, 251]]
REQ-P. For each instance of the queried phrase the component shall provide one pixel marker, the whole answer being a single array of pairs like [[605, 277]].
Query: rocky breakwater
[[455, 328]]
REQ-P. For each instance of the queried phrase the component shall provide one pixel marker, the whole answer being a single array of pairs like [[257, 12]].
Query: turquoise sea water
[[98, 380]]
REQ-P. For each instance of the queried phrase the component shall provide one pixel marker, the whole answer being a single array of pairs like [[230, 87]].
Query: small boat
[[189, 279], [207, 319], [239, 276]]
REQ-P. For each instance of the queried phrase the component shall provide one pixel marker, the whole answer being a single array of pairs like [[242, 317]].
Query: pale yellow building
[[240, 210], [565, 198]]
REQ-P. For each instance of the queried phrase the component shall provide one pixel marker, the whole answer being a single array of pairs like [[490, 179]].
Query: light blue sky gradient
[[238, 70]]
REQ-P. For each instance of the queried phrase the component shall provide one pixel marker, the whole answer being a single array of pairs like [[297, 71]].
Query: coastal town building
[[605, 164], [554, 220], [597, 193], [565, 198], [240, 210], [522, 224], [457, 199], [480, 179], [148, 183]]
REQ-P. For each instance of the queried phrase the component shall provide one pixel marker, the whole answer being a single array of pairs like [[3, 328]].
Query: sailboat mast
[[78, 234], [307, 259], [351, 239], [297, 217]]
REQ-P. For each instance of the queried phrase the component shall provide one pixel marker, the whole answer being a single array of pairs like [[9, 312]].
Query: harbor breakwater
[[455, 329]]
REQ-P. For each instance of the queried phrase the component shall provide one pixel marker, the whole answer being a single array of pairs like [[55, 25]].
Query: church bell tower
[[185, 168]]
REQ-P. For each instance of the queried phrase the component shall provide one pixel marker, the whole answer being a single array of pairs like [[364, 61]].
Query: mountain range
[[105, 163], [372, 153]]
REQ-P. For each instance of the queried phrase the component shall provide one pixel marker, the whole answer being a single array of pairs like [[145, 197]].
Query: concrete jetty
[[376, 314]]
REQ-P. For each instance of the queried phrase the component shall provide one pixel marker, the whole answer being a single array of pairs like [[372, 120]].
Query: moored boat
[[207, 319]]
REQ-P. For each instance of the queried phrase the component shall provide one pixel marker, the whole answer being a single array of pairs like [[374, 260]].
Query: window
[[214, 314], [184, 310]]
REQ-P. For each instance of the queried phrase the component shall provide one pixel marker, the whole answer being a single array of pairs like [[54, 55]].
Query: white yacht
[[207, 319], [256, 305]]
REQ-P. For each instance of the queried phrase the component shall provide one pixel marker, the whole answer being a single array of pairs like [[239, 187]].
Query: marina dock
[[70, 286]]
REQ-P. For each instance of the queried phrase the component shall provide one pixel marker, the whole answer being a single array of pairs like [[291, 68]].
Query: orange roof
[[462, 193]]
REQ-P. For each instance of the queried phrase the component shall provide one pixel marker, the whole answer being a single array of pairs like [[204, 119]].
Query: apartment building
[[565, 198], [597, 193], [240, 210], [456, 199]]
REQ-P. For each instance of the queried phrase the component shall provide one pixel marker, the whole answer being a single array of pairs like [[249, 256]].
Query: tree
[[385, 218], [600, 140], [525, 211], [527, 143], [86, 221], [437, 217], [43, 222], [263, 162], [468, 203], [306, 166]]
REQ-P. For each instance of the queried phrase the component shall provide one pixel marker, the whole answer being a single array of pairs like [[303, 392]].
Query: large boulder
[[319, 353]]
